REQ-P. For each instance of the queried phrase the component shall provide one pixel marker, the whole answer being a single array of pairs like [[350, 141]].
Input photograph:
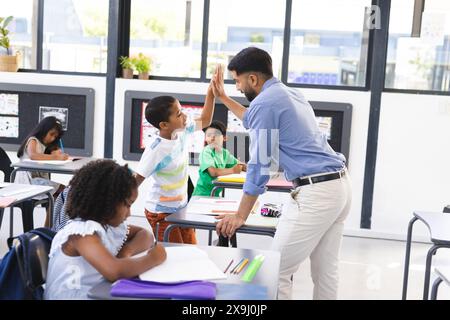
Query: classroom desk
[[206, 222], [274, 185], [266, 276], [438, 224], [443, 275], [67, 168], [33, 191]]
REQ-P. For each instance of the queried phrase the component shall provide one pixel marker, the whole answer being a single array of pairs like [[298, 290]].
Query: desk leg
[[51, 204], [11, 221], [213, 191], [2, 210], [407, 257], [167, 232], [426, 284], [434, 289], [210, 237], [27, 208], [12, 177]]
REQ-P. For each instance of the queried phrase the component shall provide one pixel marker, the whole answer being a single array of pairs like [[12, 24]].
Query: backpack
[[16, 267]]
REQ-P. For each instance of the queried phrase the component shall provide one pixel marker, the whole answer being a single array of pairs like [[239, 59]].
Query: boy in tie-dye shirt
[[165, 162]]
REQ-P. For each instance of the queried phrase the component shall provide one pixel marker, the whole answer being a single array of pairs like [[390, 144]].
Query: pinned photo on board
[[62, 114], [9, 127], [9, 104]]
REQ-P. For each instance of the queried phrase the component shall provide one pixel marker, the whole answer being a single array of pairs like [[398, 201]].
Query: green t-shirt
[[210, 158]]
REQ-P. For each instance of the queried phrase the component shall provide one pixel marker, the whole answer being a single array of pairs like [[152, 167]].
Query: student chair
[[26, 207], [32, 258]]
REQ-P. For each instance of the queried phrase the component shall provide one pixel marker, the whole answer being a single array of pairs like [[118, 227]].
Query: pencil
[[242, 266], [235, 267], [228, 266]]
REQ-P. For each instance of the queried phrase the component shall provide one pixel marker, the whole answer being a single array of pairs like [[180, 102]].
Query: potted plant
[[8, 62], [142, 64], [127, 67]]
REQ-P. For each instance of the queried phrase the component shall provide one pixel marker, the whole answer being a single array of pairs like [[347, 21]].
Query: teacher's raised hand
[[218, 83]]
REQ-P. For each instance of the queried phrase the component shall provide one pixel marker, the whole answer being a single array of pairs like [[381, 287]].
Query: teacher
[[284, 133]]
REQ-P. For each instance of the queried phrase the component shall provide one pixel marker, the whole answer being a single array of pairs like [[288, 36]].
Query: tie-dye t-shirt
[[165, 162]]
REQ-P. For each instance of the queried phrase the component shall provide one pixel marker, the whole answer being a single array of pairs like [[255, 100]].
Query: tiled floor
[[369, 268]]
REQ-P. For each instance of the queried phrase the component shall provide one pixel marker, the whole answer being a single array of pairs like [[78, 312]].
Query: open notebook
[[215, 206], [184, 263], [53, 162]]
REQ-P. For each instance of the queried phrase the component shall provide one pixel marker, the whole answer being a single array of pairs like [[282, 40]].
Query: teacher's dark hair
[[252, 59]]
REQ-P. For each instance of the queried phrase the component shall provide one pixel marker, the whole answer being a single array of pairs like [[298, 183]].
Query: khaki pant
[[177, 235], [312, 227]]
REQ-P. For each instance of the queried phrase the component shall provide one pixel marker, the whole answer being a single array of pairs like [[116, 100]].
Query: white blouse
[[72, 277]]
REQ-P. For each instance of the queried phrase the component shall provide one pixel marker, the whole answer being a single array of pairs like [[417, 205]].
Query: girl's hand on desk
[[158, 253], [61, 156], [228, 224]]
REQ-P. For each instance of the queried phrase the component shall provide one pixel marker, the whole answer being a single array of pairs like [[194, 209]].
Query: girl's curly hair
[[97, 189]]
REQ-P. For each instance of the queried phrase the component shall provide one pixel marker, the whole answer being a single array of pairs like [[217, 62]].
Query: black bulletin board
[[77, 104], [238, 142]]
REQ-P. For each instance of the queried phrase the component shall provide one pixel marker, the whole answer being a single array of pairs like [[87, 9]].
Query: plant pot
[[127, 73], [9, 63], [143, 76]]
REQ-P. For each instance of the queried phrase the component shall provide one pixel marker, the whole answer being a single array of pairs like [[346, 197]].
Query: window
[[170, 33], [419, 63], [236, 24], [328, 44], [22, 30], [75, 35]]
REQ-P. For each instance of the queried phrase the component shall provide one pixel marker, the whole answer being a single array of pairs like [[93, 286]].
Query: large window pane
[[170, 33], [328, 42], [419, 63], [75, 35], [21, 29], [236, 24]]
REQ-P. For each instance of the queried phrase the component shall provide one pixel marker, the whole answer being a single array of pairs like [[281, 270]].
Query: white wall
[[359, 100], [96, 83], [413, 160]]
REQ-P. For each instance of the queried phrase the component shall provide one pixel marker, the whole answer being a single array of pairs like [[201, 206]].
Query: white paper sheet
[[184, 263], [55, 162]]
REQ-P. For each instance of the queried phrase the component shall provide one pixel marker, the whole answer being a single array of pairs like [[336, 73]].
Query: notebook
[[53, 162], [14, 189], [184, 264], [215, 206], [135, 288], [6, 201], [236, 177]]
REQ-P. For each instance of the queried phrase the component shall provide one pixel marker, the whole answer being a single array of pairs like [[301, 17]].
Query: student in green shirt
[[215, 160]]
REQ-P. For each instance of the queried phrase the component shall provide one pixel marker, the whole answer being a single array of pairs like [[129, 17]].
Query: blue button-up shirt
[[284, 133]]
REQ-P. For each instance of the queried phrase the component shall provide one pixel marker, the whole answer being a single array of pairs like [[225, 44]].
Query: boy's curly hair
[[96, 190]]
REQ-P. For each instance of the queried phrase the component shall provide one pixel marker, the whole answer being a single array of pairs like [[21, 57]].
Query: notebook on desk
[[184, 264], [236, 178], [14, 189], [215, 206], [52, 162]]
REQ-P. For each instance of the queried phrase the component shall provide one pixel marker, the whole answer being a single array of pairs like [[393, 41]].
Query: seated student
[[42, 143], [97, 243], [166, 159], [215, 160]]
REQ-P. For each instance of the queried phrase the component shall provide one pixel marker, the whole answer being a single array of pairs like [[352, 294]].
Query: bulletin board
[[22, 106], [334, 119]]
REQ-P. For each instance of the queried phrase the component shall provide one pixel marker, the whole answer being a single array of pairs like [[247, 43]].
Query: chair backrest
[[5, 165], [32, 250]]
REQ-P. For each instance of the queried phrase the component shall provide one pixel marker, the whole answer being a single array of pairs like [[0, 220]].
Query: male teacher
[[284, 132]]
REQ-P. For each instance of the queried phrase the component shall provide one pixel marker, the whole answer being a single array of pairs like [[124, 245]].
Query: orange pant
[[177, 235]]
